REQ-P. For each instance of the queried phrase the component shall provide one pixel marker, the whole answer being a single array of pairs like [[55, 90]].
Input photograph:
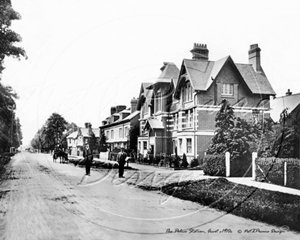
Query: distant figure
[[88, 157], [184, 161], [121, 160]]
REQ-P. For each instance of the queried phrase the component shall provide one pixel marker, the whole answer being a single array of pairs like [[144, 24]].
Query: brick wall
[[206, 119], [202, 145]]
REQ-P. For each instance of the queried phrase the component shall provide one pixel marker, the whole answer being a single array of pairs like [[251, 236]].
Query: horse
[[63, 156]]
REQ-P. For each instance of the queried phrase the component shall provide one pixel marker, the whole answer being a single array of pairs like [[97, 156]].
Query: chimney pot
[[133, 103], [113, 110], [120, 108], [288, 93], [254, 57], [200, 52]]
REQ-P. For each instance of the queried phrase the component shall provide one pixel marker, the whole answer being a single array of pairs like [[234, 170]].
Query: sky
[[85, 56]]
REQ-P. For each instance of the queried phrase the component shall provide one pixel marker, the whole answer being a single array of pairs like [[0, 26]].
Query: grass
[[271, 207], [4, 160]]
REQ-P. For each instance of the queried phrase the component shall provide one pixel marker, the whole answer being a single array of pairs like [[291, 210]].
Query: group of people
[[88, 158]]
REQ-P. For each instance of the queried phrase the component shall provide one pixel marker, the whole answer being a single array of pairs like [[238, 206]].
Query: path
[[46, 201]]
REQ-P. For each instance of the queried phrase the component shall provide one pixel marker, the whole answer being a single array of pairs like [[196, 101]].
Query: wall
[[202, 145]]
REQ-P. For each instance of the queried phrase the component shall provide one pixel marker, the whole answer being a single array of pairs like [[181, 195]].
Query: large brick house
[[184, 107], [154, 104], [79, 138], [117, 126]]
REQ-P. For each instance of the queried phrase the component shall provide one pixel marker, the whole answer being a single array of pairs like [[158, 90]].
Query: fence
[[160, 160], [280, 171], [240, 167]]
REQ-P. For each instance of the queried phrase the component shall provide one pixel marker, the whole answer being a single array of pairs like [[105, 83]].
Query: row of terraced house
[[176, 113]]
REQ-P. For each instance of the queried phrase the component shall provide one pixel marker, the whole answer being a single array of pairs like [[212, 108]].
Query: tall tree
[[102, 145], [93, 141], [234, 135], [8, 37], [288, 133], [224, 123], [54, 129], [132, 137], [266, 137], [10, 128]]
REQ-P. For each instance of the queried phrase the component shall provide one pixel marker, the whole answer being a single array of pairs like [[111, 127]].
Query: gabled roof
[[121, 121], [258, 83], [145, 94], [154, 123], [131, 116], [85, 132], [169, 72], [201, 74], [73, 135], [280, 103]]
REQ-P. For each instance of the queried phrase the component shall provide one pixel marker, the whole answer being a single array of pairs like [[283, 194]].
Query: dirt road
[[47, 200]]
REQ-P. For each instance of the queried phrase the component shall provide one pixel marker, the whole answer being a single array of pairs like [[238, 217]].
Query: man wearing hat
[[88, 157], [121, 160]]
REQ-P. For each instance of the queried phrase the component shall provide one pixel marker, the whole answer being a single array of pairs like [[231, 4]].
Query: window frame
[[189, 146], [227, 89]]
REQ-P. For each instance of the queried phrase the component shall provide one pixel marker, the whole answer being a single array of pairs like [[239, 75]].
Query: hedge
[[241, 167], [214, 165], [272, 170]]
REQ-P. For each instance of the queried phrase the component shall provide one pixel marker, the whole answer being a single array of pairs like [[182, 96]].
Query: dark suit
[[88, 157], [121, 160]]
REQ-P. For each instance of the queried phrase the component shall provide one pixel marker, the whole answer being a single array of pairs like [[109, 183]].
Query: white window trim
[[226, 88]]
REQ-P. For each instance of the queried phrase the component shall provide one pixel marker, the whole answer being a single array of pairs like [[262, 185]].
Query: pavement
[[199, 174]]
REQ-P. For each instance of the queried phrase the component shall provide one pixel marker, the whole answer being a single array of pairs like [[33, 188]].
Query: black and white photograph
[[147, 119]]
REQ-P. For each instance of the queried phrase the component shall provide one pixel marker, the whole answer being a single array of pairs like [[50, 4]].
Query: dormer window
[[187, 92], [227, 89]]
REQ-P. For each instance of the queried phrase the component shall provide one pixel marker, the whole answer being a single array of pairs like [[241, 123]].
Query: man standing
[[88, 157], [121, 160]]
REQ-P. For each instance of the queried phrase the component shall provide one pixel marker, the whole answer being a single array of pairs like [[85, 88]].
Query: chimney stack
[[87, 125], [288, 93], [113, 110], [120, 108], [254, 57], [133, 104], [200, 52]]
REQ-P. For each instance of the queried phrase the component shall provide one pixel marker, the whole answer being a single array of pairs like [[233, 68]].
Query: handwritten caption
[[224, 231]]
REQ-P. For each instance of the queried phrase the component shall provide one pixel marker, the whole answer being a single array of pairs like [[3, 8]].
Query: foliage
[[271, 170], [54, 129], [4, 160], [10, 127], [276, 208], [214, 165], [93, 141], [51, 133], [266, 136], [194, 163], [133, 136], [224, 123], [288, 134], [241, 140], [234, 135], [103, 138], [8, 37]]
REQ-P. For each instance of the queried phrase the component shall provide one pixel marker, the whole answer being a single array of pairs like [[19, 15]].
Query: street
[[47, 200]]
